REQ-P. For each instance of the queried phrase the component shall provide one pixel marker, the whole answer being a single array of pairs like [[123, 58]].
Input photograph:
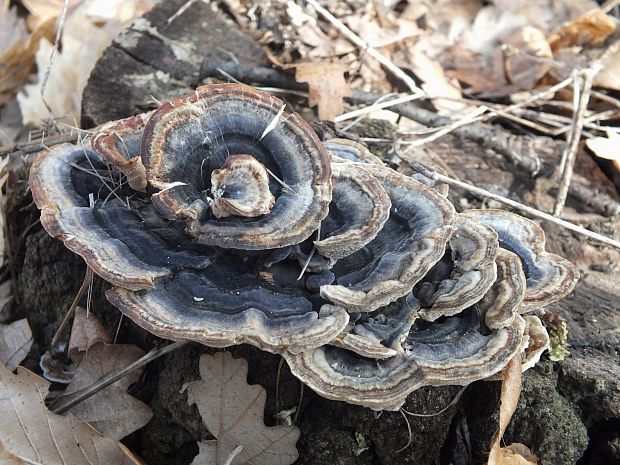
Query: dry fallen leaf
[[15, 343], [609, 76], [87, 32], [606, 147], [528, 57], [112, 411], [590, 29], [85, 332], [232, 411], [515, 454], [30, 433], [436, 84], [17, 47], [327, 87]]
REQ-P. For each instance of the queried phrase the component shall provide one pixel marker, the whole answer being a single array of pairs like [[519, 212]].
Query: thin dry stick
[[88, 277], [519, 206], [358, 41], [48, 69], [64, 403], [570, 154], [466, 119], [378, 106]]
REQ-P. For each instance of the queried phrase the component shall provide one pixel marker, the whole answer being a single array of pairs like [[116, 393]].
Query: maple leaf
[[232, 411]]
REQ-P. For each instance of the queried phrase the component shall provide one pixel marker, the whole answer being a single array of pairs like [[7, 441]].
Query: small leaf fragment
[[15, 343]]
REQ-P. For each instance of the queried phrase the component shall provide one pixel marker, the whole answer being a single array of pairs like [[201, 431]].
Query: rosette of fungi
[[174, 208], [460, 323], [222, 219]]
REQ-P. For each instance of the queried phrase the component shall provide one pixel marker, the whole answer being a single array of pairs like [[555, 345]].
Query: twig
[[489, 137], [358, 41], [519, 206], [466, 119], [570, 153], [37, 145], [378, 106], [64, 403], [48, 69], [88, 277]]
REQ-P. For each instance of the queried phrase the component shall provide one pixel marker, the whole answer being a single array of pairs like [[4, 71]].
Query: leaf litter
[[232, 410]]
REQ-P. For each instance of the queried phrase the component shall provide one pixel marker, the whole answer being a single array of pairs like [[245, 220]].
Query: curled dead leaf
[[112, 411], [590, 30], [515, 454], [327, 87]]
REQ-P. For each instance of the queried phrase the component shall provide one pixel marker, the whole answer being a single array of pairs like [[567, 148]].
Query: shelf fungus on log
[[358, 210], [221, 219], [453, 351], [464, 275], [412, 240], [186, 140], [549, 276]]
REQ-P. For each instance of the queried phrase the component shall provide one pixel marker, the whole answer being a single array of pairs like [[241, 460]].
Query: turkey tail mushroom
[[221, 219]]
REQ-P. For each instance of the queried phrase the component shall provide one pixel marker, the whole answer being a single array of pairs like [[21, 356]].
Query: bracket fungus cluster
[[220, 218]]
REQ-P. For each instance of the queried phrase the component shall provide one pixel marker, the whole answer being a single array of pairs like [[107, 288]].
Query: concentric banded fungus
[[345, 149], [411, 241], [241, 188], [359, 209], [223, 307], [119, 144], [451, 352], [549, 276], [187, 139], [473, 248], [124, 239], [224, 231], [127, 245], [500, 304]]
